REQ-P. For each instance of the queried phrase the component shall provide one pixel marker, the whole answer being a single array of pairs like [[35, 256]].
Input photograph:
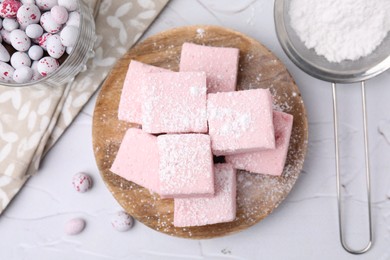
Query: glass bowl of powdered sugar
[[337, 41]]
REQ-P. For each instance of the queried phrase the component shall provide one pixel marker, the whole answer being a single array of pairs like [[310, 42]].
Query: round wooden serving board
[[257, 195]]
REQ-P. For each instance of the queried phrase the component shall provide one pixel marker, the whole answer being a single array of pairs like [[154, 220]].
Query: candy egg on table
[[74, 226], [19, 40], [47, 65], [35, 52], [82, 182], [59, 14], [34, 31], [4, 54], [19, 59], [45, 5], [69, 35], [22, 74], [6, 72], [10, 24], [5, 36], [49, 24], [9, 8], [122, 221], [54, 46], [74, 19], [70, 5], [28, 14]]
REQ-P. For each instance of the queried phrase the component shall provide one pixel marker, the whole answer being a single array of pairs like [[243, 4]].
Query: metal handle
[[367, 168]]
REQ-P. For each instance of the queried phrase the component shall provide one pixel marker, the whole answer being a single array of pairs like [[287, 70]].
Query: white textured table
[[303, 227]]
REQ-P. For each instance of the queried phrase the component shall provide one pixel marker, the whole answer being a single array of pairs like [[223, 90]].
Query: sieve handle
[[367, 168]]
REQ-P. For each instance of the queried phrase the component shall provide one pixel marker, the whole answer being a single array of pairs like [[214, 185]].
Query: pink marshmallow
[[137, 159], [205, 211], [268, 161], [174, 102], [186, 165], [220, 65], [130, 102], [240, 121]]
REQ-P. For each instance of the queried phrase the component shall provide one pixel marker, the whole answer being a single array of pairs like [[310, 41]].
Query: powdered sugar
[[341, 30]]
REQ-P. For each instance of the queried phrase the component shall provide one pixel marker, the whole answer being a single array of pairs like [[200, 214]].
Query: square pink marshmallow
[[130, 102], [206, 211], [219, 63], [174, 102], [240, 121], [137, 159], [268, 161], [186, 165]]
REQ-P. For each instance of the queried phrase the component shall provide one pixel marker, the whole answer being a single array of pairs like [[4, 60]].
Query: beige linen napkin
[[33, 118]]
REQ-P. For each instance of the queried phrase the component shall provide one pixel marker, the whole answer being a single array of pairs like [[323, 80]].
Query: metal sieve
[[343, 72]]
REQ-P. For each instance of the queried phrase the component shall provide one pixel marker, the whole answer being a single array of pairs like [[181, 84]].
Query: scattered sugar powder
[[341, 30]]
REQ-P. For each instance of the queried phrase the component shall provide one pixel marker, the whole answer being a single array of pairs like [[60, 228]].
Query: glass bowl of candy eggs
[[46, 42]]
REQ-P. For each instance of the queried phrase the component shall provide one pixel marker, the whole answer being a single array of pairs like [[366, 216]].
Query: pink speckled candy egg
[[122, 221], [59, 14], [6, 72], [48, 23], [74, 226], [22, 74], [74, 19], [54, 46], [69, 35], [4, 54], [82, 182], [47, 65], [70, 5], [5, 36], [10, 24], [9, 8], [19, 59], [36, 74], [35, 52], [28, 14], [34, 31], [19, 40], [42, 41], [46, 5]]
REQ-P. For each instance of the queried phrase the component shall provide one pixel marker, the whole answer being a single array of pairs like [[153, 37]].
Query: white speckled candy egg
[[42, 41], [9, 8], [10, 24], [28, 14], [23, 74], [5, 36], [59, 14], [54, 46], [122, 221], [19, 59], [34, 31], [74, 19], [47, 65], [74, 226], [69, 35], [48, 23], [81, 182], [35, 52], [45, 4], [70, 5], [6, 72], [19, 40], [4, 54], [36, 74]]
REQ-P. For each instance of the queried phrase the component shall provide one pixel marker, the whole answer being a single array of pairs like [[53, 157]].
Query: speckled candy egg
[[6, 72], [42, 41], [122, 221], [45, 4], [54, 46], [69, 35], [9, 8], [28, 14], [82, 182], [4, 54], [74, 226], [5, 36], [74, 19], [59, 14], [23, 74], [47, 65], [35, 52], [49, 24], [70, 5], [19, 59], [34, 31], [19, 40], [10, 24]]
